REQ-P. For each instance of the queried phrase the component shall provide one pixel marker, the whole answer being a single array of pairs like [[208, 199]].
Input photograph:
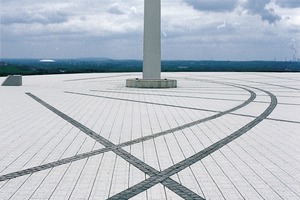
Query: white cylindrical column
[[152, 50], [152, 39]]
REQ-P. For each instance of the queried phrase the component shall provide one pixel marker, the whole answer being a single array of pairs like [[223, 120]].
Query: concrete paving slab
[[87, 136]]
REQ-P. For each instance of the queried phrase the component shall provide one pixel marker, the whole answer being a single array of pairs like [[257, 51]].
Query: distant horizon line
[[119, 59]]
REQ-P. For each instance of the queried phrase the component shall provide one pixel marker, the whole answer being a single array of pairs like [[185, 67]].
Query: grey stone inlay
[[282, 103], [52, 164], [101, 77], [153, 180], [165, 95], [175, 187], [283, 120], [273, 119], [281, 86], [279, 77], [251, 98], [80, 126], [138, 140], [179, 189], [146, 102]]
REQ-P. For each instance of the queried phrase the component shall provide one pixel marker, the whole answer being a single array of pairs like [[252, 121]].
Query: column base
[[151, 83]]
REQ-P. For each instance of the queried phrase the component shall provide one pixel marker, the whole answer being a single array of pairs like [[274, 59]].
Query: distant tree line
[[34, 67]]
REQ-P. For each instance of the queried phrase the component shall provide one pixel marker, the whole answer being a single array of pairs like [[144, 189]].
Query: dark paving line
[[279, 90], [80, 126], [101, 77], [289, 104], [138, 140], [171, 184], [192, 97], [186, 90], [137, 101], [52, 164], [231, 84], [218, 82], [248, 101], [164, 95], [283, 120], [285, 78], [285, 104], [281, 86], [273, 119], [129, 154], [153, 180], [38, 150], [287, 96]]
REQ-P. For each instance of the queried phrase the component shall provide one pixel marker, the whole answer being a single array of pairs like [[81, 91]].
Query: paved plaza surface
[[87, 136]]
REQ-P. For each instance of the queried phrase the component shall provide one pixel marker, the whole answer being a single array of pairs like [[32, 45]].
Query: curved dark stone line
[[153, 180], [138, 140], [165, 95], [191, 97], [184, 90], [282, 103], [171, 184], [175, 187], [273, 119], [212, 81], [283, 120], [281, 86], [101, 77], [137, 101], [284, 78]]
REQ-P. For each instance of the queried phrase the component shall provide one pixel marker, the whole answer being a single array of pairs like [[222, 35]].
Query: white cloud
[[37, 13], [259, 7], [115, 9], [40, 16], [133, 10], [213, 5], [218, 29], [288, 3], [223, 25]]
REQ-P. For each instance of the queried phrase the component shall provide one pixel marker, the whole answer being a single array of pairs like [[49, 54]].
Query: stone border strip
[[220, 114], [165, 95], [84, 79], [281, 86], [137, 101], [138, 140], [168, 182], [153, 180], [52, 164], [181, 190]]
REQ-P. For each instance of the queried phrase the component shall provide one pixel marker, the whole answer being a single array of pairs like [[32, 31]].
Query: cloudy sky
[[191, 29]]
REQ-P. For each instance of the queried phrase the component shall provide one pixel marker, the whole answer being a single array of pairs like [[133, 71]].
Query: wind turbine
[[152, 50]]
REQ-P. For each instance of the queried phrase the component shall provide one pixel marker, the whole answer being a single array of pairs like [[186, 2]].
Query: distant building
[[47, 61]]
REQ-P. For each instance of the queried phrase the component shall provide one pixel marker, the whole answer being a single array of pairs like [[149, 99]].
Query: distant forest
[[92, 65]]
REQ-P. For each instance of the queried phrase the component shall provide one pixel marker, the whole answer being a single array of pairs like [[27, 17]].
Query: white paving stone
[[47, 152]]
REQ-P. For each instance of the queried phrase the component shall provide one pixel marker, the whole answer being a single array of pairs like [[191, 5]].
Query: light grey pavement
[[87, 136]]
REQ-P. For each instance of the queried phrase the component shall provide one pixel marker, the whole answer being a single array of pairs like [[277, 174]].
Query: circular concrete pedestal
[[151, 83]]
